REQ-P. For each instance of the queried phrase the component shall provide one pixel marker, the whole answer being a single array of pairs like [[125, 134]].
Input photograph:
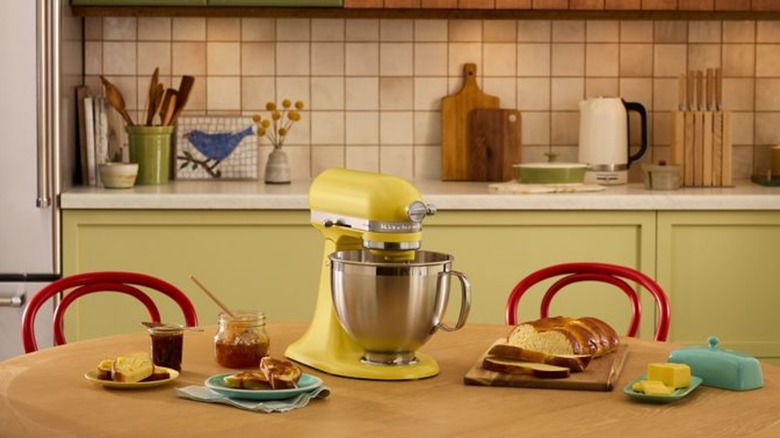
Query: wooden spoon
[[182, 95], [151, 106], [213, 297], [116, 100], [167, 107]]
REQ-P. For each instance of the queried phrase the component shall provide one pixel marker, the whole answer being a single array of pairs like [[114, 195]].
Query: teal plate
[[673, 397], [306, 383]]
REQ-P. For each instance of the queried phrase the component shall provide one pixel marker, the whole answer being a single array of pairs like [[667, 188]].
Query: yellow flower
[[282, 132], [299, 105], [276, 115], [261, 132], [270, 106], [265, 123], [256, 118], [278, 125], [286, 103]]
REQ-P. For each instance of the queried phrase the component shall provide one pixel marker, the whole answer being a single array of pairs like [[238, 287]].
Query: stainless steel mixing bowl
[[391, 308]]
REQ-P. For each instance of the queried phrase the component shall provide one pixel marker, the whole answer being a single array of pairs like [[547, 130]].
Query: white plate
[[306, 383], [92, 376]]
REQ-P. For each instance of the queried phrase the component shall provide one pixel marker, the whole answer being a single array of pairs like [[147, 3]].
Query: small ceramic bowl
[[550, 173], [118, 175], [662, 176]]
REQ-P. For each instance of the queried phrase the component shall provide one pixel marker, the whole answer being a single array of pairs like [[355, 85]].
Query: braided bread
[[561, 335]]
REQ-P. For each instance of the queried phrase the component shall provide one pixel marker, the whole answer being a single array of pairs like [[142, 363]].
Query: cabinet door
[[496, 249], [264, 260], [722, 272]]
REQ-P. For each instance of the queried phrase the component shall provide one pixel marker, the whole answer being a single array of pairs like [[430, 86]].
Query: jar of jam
[[166, 345], [241, 340]]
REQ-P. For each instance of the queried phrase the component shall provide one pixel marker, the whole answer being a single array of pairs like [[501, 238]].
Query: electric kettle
[[604, 139]]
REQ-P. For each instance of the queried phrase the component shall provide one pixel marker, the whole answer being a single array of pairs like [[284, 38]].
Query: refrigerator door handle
[[48, 113]]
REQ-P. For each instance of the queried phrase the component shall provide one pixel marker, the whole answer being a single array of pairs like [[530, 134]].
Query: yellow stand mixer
[[380, 215]]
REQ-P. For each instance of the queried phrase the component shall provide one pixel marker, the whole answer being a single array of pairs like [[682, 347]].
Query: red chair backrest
[[603, 272], [78, 285]]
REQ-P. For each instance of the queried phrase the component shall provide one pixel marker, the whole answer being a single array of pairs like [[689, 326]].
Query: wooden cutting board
[[601, 375], [455, 110], [494, 143]]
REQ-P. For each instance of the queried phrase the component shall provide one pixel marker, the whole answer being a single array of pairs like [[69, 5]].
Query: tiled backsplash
[[373, 87]]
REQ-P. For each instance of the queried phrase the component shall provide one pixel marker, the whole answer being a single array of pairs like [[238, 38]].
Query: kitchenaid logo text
[[395, 227]]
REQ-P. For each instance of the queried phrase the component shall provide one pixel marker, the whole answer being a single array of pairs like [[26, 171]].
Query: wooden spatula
[[167, 107], [151, 106], [182, 95]]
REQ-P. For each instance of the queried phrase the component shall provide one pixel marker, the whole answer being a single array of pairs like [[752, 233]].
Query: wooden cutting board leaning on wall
[[455, 111], [494, 143]]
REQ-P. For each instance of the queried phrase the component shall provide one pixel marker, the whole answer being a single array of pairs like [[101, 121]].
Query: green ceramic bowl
[[550, 173]]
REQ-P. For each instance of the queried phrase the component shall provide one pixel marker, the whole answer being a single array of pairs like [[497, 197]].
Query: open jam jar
[[166, 343], [241, 341]]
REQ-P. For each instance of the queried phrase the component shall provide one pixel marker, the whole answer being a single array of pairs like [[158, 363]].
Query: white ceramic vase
[[277, 169]]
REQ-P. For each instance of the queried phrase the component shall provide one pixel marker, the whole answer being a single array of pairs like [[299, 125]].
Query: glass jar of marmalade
[[241, 341], [166, 343]]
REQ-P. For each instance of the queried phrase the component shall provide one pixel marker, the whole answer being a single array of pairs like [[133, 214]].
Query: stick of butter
[[673, 375]]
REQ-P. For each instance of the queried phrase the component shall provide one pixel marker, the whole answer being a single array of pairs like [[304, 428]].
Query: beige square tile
[[670, 59], [427, 163], [327, 93], [154, 29], [223, 58], [739, 60], [293, 88], [394, 160], [197, 101], [223, 29], [638, 90], [396, 59], [396, 93], [328, 29], [362, 59], [742, 162], [664, 95], [601, 87], [602, 31], [500, 59], [636, 31], [535, 153], [189, 29], [119, 28], [151, 55], [129, 88], [768, 31], [362, 30], [428, 93], [568, 59], [327, 127], [465, 31], [362, 93], [93, 58], [256, 92], [119, 58], [93, 28], [738, 94], [768, 95], [189, 58], [568, 31], [743, 31], [504, 88], [703, 56], [362, 127], [301, 133], [327, 58], [258, 29], [427, 128], [601, 59], [536, 130], [662, 135], [636, 60], [326, 157], [671, 31], [500, 31], [258, 59], [742, 127], [430, 30], [533, 59], [566, 93], [565, 128], [533, 94], [364, 158], [704, 31], [430, 59], [534, 31], [223, 93], [300, 161], [567, 153], [293, 29], [767, 60], [396, 30], [461, 54], [292, 59], [396, 128]]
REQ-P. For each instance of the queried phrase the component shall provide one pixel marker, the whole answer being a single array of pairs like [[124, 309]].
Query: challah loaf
[[565, 336]]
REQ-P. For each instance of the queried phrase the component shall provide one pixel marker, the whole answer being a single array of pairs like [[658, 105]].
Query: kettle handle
[[639, 108]]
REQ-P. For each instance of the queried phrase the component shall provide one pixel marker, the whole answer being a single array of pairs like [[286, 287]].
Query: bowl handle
[[465, 302]]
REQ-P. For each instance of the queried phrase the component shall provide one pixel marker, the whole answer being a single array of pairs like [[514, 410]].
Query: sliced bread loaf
[[535, 369], [565, 336]]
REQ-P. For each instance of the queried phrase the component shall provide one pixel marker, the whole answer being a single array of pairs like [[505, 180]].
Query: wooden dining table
[[46, 394]]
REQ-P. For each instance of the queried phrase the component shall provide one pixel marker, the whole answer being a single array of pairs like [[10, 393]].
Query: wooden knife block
[[701, 144]]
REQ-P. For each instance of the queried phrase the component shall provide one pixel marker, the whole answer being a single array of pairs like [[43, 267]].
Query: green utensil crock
[[150, 147]]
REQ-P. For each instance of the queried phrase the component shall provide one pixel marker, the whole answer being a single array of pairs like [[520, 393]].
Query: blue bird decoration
[[217, 146]]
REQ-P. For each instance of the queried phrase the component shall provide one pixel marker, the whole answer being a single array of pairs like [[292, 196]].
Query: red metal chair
[[78, 285], [606, 273]]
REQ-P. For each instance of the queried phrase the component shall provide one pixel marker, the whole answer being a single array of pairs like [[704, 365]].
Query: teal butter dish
[[720, 367]]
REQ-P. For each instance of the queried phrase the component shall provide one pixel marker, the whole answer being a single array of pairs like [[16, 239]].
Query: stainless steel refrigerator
[[41, 48]]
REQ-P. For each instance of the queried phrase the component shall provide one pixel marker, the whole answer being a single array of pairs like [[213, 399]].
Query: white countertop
[[256, 195]]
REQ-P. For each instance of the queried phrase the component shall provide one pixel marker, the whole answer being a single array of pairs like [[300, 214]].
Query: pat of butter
[[653, 387], [673, 375]]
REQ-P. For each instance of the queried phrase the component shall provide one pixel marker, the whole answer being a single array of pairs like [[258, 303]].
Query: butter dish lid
[[720, 367]]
